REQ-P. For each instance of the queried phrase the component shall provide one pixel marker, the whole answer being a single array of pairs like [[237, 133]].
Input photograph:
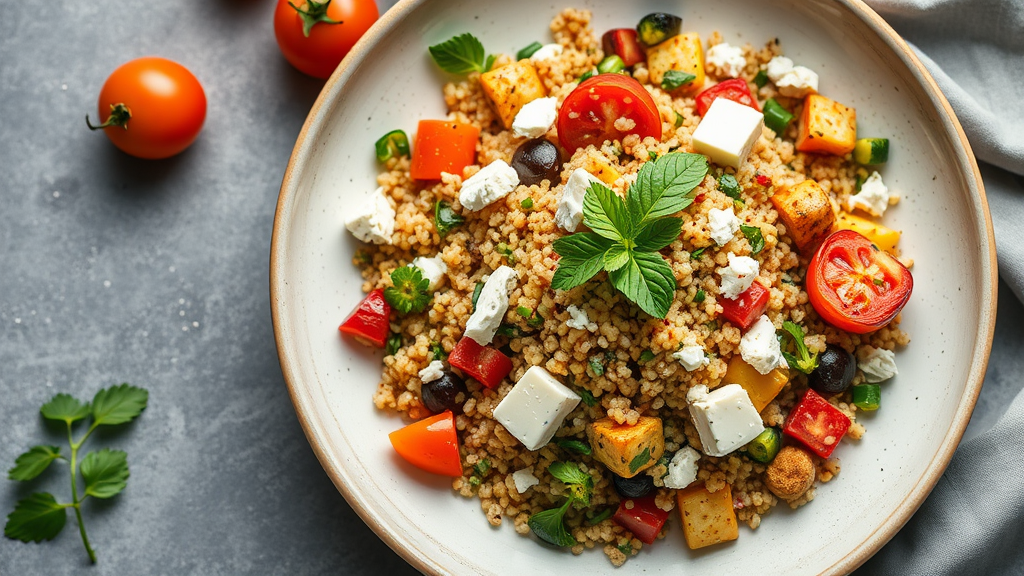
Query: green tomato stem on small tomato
[[315, 13], [120, 114]]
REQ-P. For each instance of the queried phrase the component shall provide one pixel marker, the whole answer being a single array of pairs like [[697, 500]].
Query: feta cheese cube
[[682, 470], [877, 364], [536, 117], [724, 225], [778, 67], [547, 52], [570, 203], [491, 306], [534, 409], [579, 320], [524, 479], [738, 275], [373, 220], [692, 357], [727, 59], [433, 269], [792, 81], [760, 348], [873, 197], [727, 132], [725, 418], [491, 183], [432, 372]]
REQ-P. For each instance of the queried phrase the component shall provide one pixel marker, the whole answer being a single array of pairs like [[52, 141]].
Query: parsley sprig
[[410, 291], [461, 55], [628, 234], [549, 525], [803, 360], [104, 473]]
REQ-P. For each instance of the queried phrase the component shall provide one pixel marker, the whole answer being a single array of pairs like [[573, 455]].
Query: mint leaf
[[673, 79], [445, 218], [64, 408], [605, 213], [666, 185], [568, 473], [582, 258], [548, 526], [657, 234], [648, 281], [33, 463], [754, 236], [640, 460], [460, 55], [573, 446], [105, 473], [36, 518], [118, 404], [616, 257]]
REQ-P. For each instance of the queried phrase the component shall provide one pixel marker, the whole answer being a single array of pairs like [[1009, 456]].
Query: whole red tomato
[[315, 35], [589, 112], [151, 108]]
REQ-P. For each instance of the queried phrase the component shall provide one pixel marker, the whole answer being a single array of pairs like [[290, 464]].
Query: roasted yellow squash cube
[[627, 450], [826, 126], [708, 517], [683, 53], [602, 170], [885, 238], [806, 211], [762, 388], [511, 87]]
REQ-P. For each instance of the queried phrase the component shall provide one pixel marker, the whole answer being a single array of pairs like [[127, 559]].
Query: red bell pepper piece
[[487, 365], [369, 323], [442, 146], [747, 307], [430, 444], [641, 517], [735, 89], [817, 424], [623, 42]]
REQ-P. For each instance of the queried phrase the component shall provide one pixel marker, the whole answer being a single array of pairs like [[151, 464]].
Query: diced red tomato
[[817, 424], [589, 113], [763, 180], [442, 146], [430, 444], [735, 89], [641, 517], [369, 323], [623, 43], [747, 307], [855, 286], [487, 365]]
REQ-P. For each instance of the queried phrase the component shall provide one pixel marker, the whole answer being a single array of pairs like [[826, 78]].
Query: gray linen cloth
[[971, 522]]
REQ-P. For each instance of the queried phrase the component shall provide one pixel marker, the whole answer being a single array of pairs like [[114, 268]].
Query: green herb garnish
[[394, 344], [646, 356], [729, 186], [410, 291], [699, 296], [803, 360], [437, 352], [586, 76], [695, 255], [548, 525], [482, 467], [761, 78], [394, 143], [476, 293], [587, 396], [596, 365], [626, 548], [524, 311], [445, 218], [573, 446], [506, 251], [104, 473], [461, 55], [675, 78], [679, 120], [528, 51], [509, 330], [596, 519], [627, 234], [640, 460], [754, 236], [527, 203]]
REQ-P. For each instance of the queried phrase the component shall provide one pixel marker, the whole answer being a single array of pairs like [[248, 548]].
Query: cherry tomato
[[430, 444], [854, 286], [315, 36], [589, 112], [623, 43], [747, 307], [487, 365], [816, 424], [151, 108], [642, 517], [735, 89], [442, 146], [369, 323]]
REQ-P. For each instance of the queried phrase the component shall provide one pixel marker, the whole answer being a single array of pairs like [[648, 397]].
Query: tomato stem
[[119, 116], [315, 13]]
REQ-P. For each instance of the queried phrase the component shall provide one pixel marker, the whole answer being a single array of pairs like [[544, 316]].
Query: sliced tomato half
[[735, 89], [590, 112], [430, 444]]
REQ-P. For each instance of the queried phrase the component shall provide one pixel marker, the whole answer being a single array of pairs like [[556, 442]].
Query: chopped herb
[[536, 321], [476, 293], [878, 282], [586, 75], [527, 203], [653, 156], [646, 356], [364, 257], [754, 236], [393, 344], [640, 460], [626, 548], [696, 253], [679, 120], [410, 291], [445, 218], [595, 519], [729, 186], [507, 252], [509, 331], [788, 280], [579, 483], [460, 55], [574, 446], [761, 78], [713, 325], [524, 311], [437, 352], [482, 467], [609, 355], [548, 525], [474, 480], [737, 205], [596, 365], [394, 143], [675, 78], [587, 396], [803, 360], [699, 296], [528, 51]]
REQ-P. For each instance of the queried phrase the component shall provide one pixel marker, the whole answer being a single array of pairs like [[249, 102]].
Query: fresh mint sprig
[[803, 360], [104, 473], [549, 525], [461, 55], [628, 234]]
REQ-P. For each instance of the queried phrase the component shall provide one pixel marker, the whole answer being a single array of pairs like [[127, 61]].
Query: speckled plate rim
[[966, 163]]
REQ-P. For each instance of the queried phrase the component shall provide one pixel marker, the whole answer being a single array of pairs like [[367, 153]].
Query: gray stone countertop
[[115, 270]]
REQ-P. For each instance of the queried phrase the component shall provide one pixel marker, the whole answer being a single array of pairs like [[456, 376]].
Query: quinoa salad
[[633, 287]]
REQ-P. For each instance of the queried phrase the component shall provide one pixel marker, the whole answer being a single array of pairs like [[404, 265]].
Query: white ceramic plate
[[390, 82]]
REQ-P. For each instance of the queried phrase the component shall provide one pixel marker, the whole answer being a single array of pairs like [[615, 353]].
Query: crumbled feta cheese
[[546, 52], [725, 418], [524, 479], [682, 470], [491, 306], [738, 275], [535, 408], [373, 220], [692, 357], [433, 269], [792, 81], [873, 197], [570, 203], [728, 132], [724, 225], [760, 348], [432, 372], [579, 320], [727, 59], [536, 117], [877, 364], [491, 183]]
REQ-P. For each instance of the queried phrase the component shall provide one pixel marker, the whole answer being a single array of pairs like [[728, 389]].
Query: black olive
[[446, 393], [836, 369], [537, 160], [636, 487]]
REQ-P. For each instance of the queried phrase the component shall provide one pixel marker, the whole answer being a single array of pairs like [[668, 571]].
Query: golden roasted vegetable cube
[[683, 53], [604, 171], [826, 126], [885, 238], [762, 388], [511, 87], [806, 211], [708, 517], [627, 450]]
